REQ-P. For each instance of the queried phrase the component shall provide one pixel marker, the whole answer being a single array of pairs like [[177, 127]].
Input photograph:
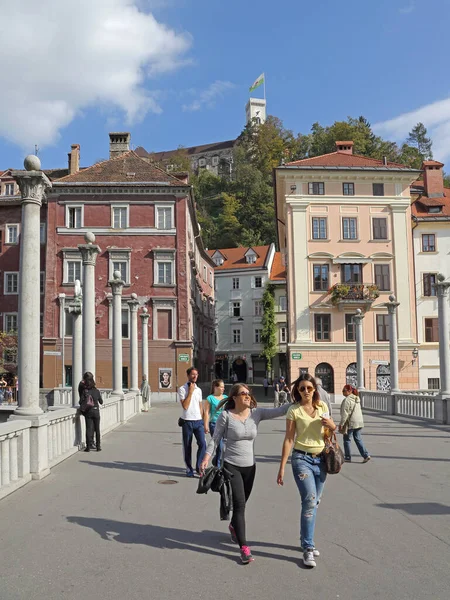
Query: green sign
[[296, 356], [183, 357]]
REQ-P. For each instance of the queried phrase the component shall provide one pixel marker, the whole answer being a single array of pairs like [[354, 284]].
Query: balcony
[[358, 295]]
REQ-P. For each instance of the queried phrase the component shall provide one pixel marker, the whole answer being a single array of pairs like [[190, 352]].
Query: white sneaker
[[308, 558], [315, 551]]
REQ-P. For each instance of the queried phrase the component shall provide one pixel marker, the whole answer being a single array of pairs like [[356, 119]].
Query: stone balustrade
[[14, 456], [420, 404], [374, 400]]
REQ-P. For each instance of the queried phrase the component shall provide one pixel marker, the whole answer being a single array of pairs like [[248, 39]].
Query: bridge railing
[[375, 400], [420, 404]]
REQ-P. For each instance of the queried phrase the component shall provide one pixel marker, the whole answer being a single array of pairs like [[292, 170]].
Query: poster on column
[[165, 378]]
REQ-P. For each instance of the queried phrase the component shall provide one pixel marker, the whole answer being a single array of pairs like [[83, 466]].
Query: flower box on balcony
[[361, 294]]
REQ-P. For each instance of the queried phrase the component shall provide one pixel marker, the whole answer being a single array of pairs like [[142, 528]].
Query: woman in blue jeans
[[211, 412], [305, 422], [351, 423]]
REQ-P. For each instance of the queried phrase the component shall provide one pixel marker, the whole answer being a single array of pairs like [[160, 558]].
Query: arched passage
[[326, 373]]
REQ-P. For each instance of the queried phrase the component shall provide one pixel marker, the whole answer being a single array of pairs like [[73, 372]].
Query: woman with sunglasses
[[238, 424], [305, 422]]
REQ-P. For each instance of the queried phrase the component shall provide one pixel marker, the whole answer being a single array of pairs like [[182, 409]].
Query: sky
[[177, 72]]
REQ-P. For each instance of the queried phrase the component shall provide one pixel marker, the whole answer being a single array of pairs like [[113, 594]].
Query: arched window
[[351, 375], [383, 378], [326, 374]]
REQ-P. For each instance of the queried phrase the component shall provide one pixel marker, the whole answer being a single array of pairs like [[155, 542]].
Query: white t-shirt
[[193, 413]]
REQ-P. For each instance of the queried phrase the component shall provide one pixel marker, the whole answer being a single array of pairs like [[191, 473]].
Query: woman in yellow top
[[305, 422]]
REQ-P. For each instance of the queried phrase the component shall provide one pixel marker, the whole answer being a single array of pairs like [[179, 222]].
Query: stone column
[[444, 324], [393, 341], [33, 184], [117, 286], [89, 252], [133, 304], [75, 309], [358, 318], [144, 317]]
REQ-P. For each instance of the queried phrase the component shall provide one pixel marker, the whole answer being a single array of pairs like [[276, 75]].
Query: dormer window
[[435, 209], [218, 260], [251, 258]]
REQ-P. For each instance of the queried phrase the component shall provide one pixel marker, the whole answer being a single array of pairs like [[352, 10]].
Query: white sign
[[52, 353], [380, 362]]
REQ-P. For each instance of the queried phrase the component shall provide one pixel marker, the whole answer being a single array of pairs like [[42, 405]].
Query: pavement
[[127, 524]]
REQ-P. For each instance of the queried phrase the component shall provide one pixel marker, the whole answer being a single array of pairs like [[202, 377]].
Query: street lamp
[[415, 354]]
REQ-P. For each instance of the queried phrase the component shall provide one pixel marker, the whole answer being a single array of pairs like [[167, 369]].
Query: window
[[319, 228], [10, 355], [12, 234], [283, 303], [322, 327], [378, 189], [11, 283], [235, 283], [350, 331], [251, 258], [125, 323], [383, 328], [202, 162], [348, 189], [236, 309], [383, 277], [429, 284], [164, 319], [258, 282], [74, 217], [321, 277], [434, 383], [349, 228], [164, 267], [215, 161], [68, 331], [9, 189], [435, 209], [428, 242], [205, 273], [218, 260], [120, 220], [316, 188], [351, 273], [379, 228], [283, 334], [258, 333], [431, 330], [121, 266], [42, 233], [236, 336], [10, 322], [164, 273], [211, 279], [258, 308], [42, 283], [73, 271], [164, 217]]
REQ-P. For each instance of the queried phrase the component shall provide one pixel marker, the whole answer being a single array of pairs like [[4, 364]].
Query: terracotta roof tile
[[235, 258], [342, 159], [278, 272], [422, 202], [126, 168]]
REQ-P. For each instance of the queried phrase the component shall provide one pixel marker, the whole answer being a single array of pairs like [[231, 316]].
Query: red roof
[[343, 159], [278, 272], [422, 202], [235, 258], [432, 163]]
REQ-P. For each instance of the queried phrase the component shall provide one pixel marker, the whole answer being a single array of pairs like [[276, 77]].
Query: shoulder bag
[[332, 454]]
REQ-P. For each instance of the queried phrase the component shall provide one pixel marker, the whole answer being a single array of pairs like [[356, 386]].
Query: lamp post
[[443, 318], [358, 318], [392, 306]]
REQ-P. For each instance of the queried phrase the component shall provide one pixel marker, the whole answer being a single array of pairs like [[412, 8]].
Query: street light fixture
[[415, 354]]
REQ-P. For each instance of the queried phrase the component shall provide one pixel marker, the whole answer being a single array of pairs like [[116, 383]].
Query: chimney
[[344, 147], [74, 159], [119, 143], [433, 178]]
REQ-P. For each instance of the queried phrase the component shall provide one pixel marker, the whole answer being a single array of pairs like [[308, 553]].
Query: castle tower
[[256, 109]]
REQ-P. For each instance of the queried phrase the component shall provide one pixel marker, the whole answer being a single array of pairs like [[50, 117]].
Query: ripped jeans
[[309, 475]]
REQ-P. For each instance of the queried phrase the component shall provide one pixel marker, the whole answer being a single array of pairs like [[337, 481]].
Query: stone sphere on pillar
[[392, 298], [32, 163], [117, 275], [134, 296], [440, 277], [358, 311], [89, 237], [145, 310]]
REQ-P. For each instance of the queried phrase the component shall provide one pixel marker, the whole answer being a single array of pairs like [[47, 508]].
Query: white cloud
[[435, 117], [62, 57], [207, 98], [407, 9]]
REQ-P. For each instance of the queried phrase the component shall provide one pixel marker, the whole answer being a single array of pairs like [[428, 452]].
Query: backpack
[[87, 402]]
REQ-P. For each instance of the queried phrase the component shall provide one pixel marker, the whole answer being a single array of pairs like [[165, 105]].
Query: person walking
[[266, 386], [145, 393], [192, 421], [351, 423], [90, 400], [305, 422], [324, 395], [279, 386], [211, 412], [239, 425], [3, 385]]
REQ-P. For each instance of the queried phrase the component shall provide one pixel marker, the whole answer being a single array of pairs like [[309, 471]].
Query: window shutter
[[253, 282], [230, 309]]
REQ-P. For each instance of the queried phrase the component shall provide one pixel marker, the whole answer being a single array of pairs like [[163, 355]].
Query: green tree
[[418, 138], [8, 351], [268, 334], [228, 225]]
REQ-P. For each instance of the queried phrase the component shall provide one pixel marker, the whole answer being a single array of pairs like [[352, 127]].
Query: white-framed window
[[202, 162], [218, 260], [42, 282], [12, 233], [235, 283], [42, 232], [164, 267], [119, 260], [258, 308], [205, 273], [11, 284], [236, 336], [349, 228], [74, 216], [73, 271], [251, 258], [119, 217], [164, 217], [9, 189], [164, 273], [72, 267], [164, 319], [434, 383], [258, 333], [283, 303], [9, 322], [235, 309], [283, 334], [125, 322], [215, 161], [211, 278], [68, 327], [258, 282]]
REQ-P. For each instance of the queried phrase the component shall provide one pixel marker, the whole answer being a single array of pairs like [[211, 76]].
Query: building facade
[[240, 278], [431, 236], [344, 224], [277, 279]]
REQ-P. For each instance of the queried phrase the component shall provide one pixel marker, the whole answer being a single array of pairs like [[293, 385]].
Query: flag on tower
[[257, 83]]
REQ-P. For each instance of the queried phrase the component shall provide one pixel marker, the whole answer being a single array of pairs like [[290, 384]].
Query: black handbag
[[332, 454], [207, 479]]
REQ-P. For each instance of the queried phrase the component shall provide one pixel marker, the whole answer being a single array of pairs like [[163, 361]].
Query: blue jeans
[[309, 475], [358, 441], [216, 461], [197, 429]]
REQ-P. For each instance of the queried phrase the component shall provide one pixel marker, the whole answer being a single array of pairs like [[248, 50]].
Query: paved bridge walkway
[[104, 525]]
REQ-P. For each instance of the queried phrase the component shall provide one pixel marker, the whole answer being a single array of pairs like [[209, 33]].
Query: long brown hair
[[229, 402], [215, 383], [351, 389], [296, 394]]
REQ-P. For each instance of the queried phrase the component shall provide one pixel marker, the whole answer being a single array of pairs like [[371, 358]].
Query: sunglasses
[[244, 394], [306, 389]]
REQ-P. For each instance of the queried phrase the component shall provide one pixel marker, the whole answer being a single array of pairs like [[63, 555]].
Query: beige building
[[278, 280], [344, 224]]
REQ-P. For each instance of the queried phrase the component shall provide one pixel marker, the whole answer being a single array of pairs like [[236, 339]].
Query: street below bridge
[[112, 525]]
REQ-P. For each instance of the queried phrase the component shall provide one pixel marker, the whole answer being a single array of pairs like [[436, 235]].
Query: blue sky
[[177, 72]]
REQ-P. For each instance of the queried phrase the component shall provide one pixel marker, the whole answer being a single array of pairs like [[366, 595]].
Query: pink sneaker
[[246, 555], [233, 534]]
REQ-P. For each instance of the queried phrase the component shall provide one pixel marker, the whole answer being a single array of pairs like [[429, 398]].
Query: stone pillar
[[75, 309], [33, 184], [117, 286], [393, 341], [358, 318], [89, 252], [133, 304], [444, 324], [144, 317]]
